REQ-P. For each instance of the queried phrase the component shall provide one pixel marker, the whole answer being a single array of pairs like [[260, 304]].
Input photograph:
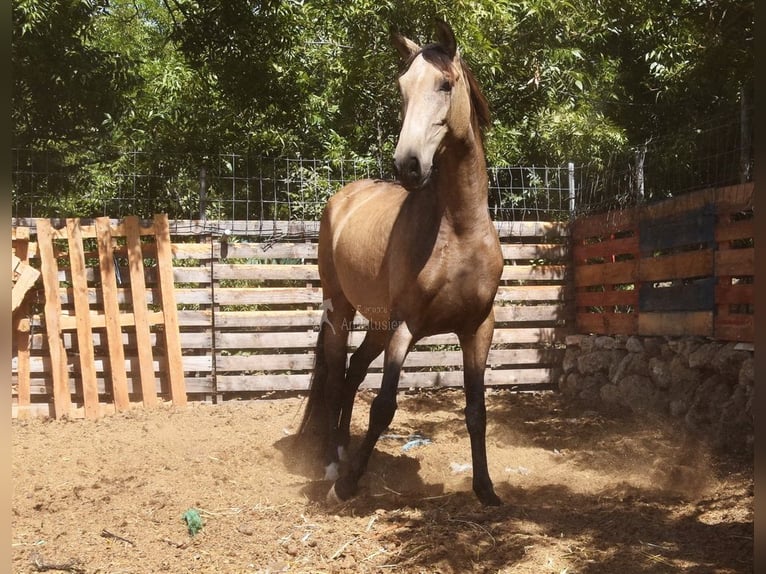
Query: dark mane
[[436, 55]]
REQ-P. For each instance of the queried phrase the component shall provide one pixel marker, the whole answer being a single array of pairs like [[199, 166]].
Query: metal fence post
[[571, 188]]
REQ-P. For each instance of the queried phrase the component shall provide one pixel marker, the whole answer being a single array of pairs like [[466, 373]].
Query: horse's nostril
[[413, 167]]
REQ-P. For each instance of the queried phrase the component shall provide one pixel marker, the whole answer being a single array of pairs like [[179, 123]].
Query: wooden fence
[[131, 311], [247, 305], [684, 266]]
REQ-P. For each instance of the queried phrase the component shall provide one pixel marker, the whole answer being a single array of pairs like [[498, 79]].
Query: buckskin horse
[[417, 257]]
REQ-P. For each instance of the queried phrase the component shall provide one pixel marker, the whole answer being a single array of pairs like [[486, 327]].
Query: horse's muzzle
[[410, 173]]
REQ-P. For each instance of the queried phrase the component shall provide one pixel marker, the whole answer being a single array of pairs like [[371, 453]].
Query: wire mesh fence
[[233, 186], [242, 187]]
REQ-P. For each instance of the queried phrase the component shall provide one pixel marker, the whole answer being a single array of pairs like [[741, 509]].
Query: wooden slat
[[307, 339], [98, 320], [619, 273], [264, 272], [606, 250], [677, 266], [416, 359], [735, 328], [534, 273], [21, 329], [112, 314], [697, 323], [608, 323], [737, 294], [300, 382], [735, 262], [613, 297], [82, 318], [734, 230], [269, 251], [140, 311], [679, 204], [62, 401], [735, 198], [604, 225], [534, 251], [170, 311], [697, 296], [677, 229]]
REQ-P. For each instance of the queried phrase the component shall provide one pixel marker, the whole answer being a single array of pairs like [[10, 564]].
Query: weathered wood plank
[[98, 320], [170, 311], [699, 323], [189, 340], [416, 359], [408, 380], [62, 401], [735, 328], [308, 339], [618, 273], [20, 326], [534, 273], [140, 312], [734, 230], [735, 198], [545, 231], [266, 272], [677, 230], [735, 262], [697, 296], [608, 323], [679, 204], [112, 314], [605, 224], [612, 297], [82, 319], [735, 294], [606, 250], [677, 266]]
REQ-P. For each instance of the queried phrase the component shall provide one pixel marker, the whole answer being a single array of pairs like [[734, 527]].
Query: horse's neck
[[463, 188]]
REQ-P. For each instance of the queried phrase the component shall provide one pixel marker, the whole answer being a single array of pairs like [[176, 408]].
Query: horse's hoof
[[332, 496], [489, 498]]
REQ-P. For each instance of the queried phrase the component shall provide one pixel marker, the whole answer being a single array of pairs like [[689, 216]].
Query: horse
[[417, 256]]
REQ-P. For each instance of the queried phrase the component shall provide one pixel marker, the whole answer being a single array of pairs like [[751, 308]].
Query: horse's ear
[[406, 47], [446, 38]]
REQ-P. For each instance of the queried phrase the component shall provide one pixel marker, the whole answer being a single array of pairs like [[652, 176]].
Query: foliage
[[183, 81]]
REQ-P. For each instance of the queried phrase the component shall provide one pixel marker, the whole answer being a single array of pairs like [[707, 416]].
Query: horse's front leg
[[372, 346], [381, 413], [475, 347]]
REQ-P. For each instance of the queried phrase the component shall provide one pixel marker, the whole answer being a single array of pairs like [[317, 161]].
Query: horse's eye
[[446, 86]]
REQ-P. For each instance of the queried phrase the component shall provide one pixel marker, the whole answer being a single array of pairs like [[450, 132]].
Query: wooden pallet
[[684, 266], [109, 316]]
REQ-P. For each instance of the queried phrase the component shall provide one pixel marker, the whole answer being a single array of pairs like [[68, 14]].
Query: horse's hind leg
[[475, 351], [372, 346], [336, 333]]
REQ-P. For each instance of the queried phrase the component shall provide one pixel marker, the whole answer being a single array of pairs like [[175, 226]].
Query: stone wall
[[706, 384]]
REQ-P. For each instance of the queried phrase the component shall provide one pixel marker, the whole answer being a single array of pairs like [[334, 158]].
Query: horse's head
[[440, 100]]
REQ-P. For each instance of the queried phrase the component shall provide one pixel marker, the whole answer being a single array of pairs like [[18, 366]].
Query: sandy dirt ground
[[583, 492]]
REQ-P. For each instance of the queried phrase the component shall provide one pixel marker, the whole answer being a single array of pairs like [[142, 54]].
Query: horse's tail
[[315, 412]]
